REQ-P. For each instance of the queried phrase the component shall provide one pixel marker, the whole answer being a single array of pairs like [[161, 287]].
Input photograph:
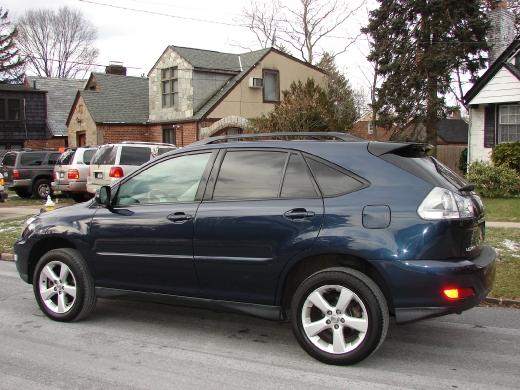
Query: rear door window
[[297, 182], [32, 159], [105, 155], [53, 158], [87, 155], [250, 175], [331, 181], [134, 155]]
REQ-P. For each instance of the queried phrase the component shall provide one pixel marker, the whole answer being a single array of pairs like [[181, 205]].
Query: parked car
[[3, 192], [330, 232], [29, 173], [111, 162], [71, 172]]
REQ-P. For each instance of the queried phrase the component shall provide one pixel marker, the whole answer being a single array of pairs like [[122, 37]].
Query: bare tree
[[57, 44], [300, 28]]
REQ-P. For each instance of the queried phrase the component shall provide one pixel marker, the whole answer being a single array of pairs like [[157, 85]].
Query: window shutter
[[489, 126]]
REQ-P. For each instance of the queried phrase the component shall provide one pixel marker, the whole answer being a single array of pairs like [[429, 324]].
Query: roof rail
[[144, 143], [285, 136]]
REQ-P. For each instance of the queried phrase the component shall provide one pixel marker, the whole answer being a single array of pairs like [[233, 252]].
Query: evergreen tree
[[11, 64], [417, 44], [340, 95]]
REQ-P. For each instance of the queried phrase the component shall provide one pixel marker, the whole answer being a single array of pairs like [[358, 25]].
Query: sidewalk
[[15, 212], [494, 224]]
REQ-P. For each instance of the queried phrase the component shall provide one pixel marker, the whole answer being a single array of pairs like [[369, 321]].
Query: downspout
[[470, 126], [25, 120]]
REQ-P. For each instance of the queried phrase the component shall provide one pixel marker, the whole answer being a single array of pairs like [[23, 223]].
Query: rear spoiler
[[404, 149]]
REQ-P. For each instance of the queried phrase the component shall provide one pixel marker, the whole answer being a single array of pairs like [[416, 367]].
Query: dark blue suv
[[333, 233]]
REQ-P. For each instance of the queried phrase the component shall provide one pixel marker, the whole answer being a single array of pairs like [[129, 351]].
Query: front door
[[263, 210], [145, 242]]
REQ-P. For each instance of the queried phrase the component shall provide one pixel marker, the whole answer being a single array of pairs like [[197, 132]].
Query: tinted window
[[105, 155], [170, 181], [53, 158], [32, 159], [331, 181], [87, 155], [164, 150], [66, 157], [9, 159], [250, 175], [13, 110], [134, 155], [297, 182]]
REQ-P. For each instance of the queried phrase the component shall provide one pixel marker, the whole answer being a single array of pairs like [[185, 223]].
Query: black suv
[[333, 233], [29, 173]]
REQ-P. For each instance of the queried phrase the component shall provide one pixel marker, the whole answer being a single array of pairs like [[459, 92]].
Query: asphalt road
[[145, 345]]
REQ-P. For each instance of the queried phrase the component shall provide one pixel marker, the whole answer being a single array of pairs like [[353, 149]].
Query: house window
[[509, 123], [271, 88], [169, 86], [10, 110], [370, 127], [169, 135]]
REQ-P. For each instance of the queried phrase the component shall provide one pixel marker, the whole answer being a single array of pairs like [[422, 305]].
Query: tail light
[[73, 174], [1, 181], [441, 203], [116, 172], [453, 293], [16, 174]]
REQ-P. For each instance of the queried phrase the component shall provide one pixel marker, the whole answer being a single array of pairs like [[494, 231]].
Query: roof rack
[[282, 136], [144, 143]]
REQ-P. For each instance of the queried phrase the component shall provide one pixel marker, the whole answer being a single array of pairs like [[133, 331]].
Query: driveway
[[145, 345]]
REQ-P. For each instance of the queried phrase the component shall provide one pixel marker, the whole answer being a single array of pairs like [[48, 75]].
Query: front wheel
[[339, 316], [63, 286]]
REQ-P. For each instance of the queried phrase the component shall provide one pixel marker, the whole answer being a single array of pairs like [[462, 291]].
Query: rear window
[[87, 155], [32, 159], [134, 155], [53, 158], [331, 181], [9, 159], [297, 182], [164, 150], [66, 157], [105, 155]]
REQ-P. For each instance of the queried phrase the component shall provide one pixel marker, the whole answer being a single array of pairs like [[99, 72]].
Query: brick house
[[364, 128], [23, 116], [190, 94]]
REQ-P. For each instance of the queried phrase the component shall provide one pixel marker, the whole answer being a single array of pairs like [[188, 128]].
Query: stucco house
[[494, 102], [190, 94]]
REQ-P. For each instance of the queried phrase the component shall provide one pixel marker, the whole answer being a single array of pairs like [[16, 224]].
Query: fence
[[449, 155]]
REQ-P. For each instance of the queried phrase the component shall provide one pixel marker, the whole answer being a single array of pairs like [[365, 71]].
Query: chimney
[[455, 114], [502, 31], [115, 67]]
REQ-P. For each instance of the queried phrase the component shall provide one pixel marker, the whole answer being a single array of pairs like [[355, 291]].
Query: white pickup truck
[[3, 192]]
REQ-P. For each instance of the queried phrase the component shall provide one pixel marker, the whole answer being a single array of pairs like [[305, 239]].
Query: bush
[[463, 161], [507, 154], [494, 181]]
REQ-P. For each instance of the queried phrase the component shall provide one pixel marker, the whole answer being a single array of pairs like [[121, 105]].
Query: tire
[[42, 188], [320, 331], [23, 193], [55, 298]]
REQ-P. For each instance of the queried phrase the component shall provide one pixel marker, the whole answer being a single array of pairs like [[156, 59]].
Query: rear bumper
[[416, 285], [22, 183], [73, 186]]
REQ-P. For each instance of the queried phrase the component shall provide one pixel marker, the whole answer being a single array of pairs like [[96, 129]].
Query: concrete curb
[[502, 301], [6, 257]]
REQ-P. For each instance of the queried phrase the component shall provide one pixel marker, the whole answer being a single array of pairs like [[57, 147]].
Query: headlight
[[28, 226], [441, 203]]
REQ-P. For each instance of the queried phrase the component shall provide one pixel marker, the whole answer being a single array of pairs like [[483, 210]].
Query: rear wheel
[[339, 316], [22, 193], [42, 188], [63, 286]]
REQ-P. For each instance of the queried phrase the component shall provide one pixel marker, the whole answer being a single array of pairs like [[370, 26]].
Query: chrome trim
[[232, 258], [144, 255]]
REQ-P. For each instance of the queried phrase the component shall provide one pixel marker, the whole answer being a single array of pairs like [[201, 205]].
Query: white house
[[494, 103]]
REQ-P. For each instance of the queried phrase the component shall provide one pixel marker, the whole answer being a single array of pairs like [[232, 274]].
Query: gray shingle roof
[[208, 59], [453, 131], [248, 60], [118, 99], [60, 97]]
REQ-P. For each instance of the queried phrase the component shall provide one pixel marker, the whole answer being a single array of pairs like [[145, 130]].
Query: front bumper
[[416, 285]]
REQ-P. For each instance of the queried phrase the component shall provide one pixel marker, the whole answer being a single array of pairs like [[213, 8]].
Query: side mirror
[[103, 196]]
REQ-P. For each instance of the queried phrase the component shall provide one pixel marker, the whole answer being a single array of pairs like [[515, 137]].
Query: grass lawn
[[507, 242], [10, 230], [498, 209], [14, 200]]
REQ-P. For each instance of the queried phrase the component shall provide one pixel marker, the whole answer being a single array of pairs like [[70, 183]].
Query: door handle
[[298, 214], [179, 217]]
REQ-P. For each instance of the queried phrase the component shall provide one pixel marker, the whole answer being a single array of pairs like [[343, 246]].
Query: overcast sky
[[137, 39]]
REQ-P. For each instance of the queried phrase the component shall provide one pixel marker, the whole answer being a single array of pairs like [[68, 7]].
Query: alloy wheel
[[57, 286], [334, 319]]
